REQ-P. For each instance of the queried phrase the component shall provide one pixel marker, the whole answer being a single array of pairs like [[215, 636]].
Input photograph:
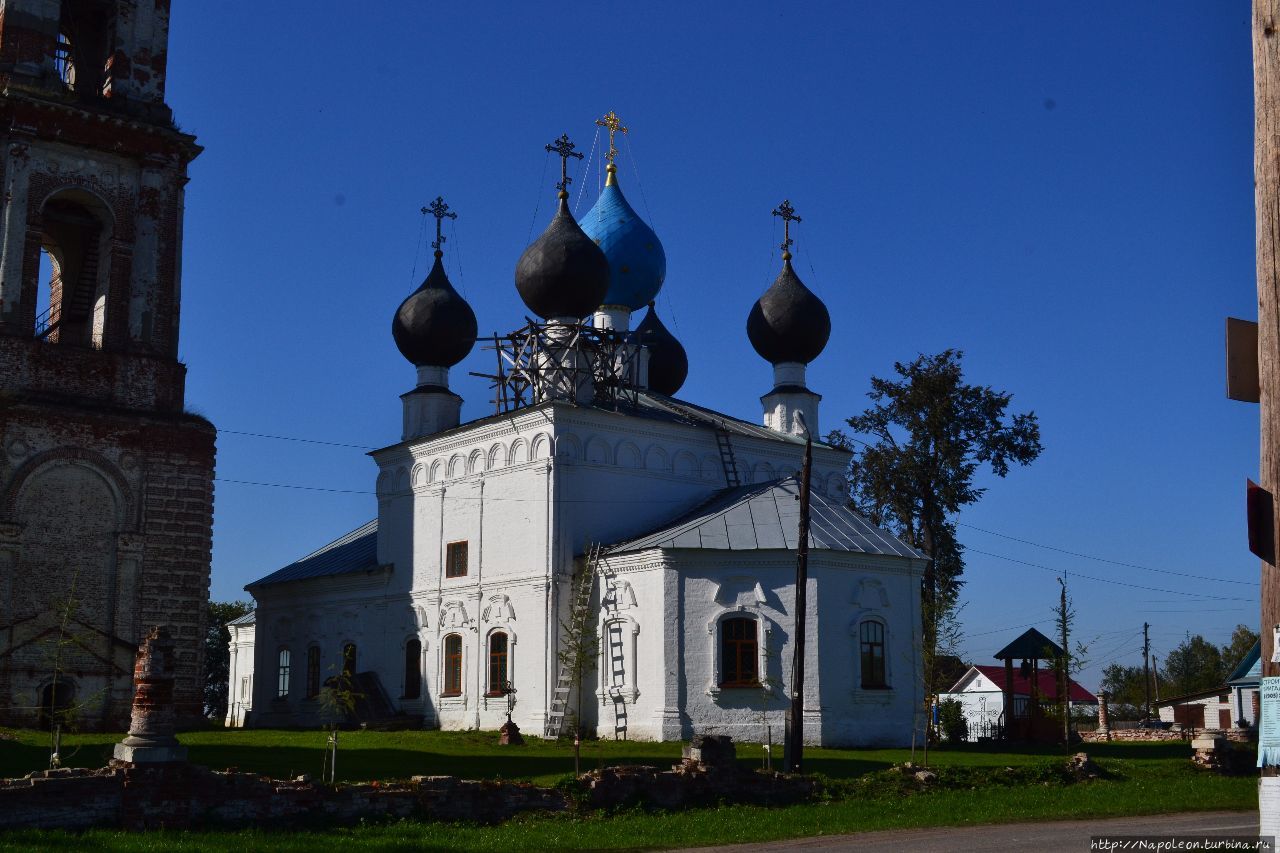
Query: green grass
[[1144, 779]]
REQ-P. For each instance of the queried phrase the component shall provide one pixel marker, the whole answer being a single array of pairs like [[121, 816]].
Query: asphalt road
[[1067, 835]]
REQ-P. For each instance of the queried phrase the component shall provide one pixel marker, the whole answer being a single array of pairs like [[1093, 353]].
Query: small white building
[[1230, 706], [460, 590], [240, 669]]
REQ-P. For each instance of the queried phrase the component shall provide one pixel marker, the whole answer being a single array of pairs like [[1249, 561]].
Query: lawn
[[1145, 779]]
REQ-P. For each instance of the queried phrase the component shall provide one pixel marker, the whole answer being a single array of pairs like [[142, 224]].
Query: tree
[[1072, 660], [931, 432], [1125, 691], [578, 651], [1195, 665], [217, 655], [1242, 640]]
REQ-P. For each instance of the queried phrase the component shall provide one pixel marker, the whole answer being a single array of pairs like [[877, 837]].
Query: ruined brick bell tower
[[106, 483]]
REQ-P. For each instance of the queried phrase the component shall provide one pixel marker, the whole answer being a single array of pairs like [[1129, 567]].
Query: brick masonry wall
[[1137, 735], [114, 511], [186, 796]]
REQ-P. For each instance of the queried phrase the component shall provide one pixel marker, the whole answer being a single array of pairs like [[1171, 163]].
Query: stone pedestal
[[151, 727], [509, 735], [1104, 721], [711, 751]]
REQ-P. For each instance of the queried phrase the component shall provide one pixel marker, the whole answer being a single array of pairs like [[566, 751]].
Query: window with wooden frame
[[739, 653], [282, 688], [455, 559], [313, 672], [452, 666], [498, 645], [871, 643], [413, 669]]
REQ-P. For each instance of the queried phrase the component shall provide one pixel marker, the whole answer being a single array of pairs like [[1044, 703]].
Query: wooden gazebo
[[1028, 721]]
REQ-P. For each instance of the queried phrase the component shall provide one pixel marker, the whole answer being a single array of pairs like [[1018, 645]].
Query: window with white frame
[[282, 688], [871, 655]]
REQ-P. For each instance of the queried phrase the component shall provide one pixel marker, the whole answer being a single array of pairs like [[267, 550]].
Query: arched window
[[739, 653], [313, 672], [349, 660], [71, 299], [497, 663], [413, 669], [452, 666], [871, 637], [282, 688], [56, 699]]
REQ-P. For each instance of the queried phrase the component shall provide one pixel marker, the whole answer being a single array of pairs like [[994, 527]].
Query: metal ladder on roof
[[726, 456], [617, 680], [579, 612]]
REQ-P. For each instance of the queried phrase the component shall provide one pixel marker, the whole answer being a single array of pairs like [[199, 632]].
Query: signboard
[[1269, 725]]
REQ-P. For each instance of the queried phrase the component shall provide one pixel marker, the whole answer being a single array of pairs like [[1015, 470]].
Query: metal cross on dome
[[564, 148], [439, 210], [614, 124], [788, 214]]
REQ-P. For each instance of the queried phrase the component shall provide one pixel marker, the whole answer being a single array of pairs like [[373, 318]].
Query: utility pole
[[1266, 182], [795, 719], [1064, 677], [1146, 667]]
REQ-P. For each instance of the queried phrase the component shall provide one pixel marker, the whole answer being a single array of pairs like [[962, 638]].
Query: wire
[[1106, 580], [631, 158], [457, 254], [1102, 559], [546, 156], [417, 251], [291, 438], [288, 486], [582, 188]]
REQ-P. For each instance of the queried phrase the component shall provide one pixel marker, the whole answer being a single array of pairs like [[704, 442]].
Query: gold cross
[[614, 124]]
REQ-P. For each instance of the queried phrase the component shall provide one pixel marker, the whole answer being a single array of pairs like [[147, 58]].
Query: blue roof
[[355, 552], [637, 262], [248, 619], [1250, 667], [767, 516]]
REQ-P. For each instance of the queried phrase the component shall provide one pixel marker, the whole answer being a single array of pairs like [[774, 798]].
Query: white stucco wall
[[530, 491]]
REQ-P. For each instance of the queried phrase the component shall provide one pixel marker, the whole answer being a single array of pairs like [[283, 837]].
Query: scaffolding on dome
[[563, 361]]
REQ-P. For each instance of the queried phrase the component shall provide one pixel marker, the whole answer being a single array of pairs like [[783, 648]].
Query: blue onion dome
[[668, 362], [563, 273], [435, 326], [637, 262], [789, 322]]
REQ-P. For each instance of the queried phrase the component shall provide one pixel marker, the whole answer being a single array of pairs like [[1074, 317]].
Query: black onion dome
[[435, 326], [668, 362], [563, 273], [789, 322]]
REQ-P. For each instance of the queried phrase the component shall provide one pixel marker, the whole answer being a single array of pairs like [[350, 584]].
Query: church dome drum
[[789, 323], [434, 326]]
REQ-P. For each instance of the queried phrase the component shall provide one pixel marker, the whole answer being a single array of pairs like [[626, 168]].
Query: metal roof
[[651, 406], [248, 619], [1032, 644], [767, 516], [1250, 667], [355, 552]]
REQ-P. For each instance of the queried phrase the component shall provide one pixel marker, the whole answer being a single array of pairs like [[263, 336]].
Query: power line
[[291, 438], [1101, 559], [289, 486], [1107, 580]]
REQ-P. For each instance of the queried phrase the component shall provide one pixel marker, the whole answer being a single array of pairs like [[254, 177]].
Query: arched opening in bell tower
[[73, 272], [85, 43]]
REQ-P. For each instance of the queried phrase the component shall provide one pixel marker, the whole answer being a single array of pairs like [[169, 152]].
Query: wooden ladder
[[617, 680], [726, 457], [578, 613]]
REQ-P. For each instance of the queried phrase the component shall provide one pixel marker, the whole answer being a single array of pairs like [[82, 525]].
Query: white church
[[683, 522]]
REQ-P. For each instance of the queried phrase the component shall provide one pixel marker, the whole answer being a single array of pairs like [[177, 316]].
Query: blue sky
[[1062, 190]]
